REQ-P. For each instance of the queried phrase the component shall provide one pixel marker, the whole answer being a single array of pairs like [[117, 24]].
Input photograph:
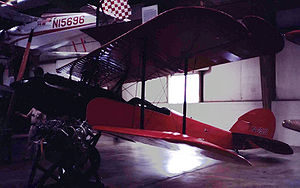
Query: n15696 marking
[[64, 22]]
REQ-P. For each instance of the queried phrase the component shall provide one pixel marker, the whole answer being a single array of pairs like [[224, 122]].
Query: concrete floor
[[127, 164]]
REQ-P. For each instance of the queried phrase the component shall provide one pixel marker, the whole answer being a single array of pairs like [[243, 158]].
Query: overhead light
[[13, 29], [5, 4], [20, 1]]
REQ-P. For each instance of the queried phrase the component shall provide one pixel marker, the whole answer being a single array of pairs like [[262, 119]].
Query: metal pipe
[[184, 102], [97, 13], [143, 72], [74, 46]]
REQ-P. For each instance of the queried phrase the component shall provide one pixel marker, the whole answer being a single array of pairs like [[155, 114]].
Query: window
[[176, 89]]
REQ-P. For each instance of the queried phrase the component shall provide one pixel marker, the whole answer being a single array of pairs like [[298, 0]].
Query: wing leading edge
[[211, 150], [206, 37]]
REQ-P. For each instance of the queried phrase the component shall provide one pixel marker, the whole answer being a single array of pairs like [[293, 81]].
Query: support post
[[143, 72], [184, 100], [83, 45], [25, 57], [97, 13], [74, 46], [268, 85], [201, 88]]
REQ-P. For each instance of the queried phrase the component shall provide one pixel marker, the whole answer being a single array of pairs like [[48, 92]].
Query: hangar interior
[[232, 89], [223, 93]]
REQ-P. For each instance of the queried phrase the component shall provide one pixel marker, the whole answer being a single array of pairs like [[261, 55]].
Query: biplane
[[178, 41]]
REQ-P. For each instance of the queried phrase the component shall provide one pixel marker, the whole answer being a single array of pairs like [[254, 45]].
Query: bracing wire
[[156, 102]]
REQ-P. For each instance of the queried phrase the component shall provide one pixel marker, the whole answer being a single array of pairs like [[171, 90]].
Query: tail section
[[258, 122], [256, 129]]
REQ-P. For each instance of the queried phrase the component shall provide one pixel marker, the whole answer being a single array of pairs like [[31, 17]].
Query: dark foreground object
[[69, 149], [127, 164]]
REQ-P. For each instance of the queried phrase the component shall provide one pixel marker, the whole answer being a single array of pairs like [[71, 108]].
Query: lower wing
[[211, 150]]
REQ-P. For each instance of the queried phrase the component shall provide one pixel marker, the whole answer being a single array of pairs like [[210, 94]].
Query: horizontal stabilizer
[[274, 146], [213, 151], [257, 128]]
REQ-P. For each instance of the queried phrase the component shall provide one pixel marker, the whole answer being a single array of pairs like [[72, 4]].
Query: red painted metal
[[102, 111], [119, 117], [106, 33], [180, 138], [256, 128], [83, 45], [208, 37], [74, 46], [258, 122]]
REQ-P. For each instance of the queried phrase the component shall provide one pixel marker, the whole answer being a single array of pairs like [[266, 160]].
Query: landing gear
[[67, 157]]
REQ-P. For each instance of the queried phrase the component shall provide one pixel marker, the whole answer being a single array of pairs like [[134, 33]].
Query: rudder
[[257, 128], [257, 122]]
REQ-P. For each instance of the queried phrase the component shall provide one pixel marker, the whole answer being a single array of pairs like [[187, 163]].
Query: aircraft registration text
[[259, 130], [67, 21]]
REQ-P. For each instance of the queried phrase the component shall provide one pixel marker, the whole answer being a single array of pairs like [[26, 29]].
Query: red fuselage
[[123, 115]]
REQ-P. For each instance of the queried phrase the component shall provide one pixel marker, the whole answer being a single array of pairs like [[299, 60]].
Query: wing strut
[[143, 71], [184, 102], [97, 13]]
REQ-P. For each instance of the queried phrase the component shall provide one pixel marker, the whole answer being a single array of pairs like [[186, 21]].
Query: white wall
[[240, 81], [233, 81], [288, 72], [286, 110]]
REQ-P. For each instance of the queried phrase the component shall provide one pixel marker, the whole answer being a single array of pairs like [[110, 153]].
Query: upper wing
[[106, 33], [211, 150], [10, 17], [206, 37]]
